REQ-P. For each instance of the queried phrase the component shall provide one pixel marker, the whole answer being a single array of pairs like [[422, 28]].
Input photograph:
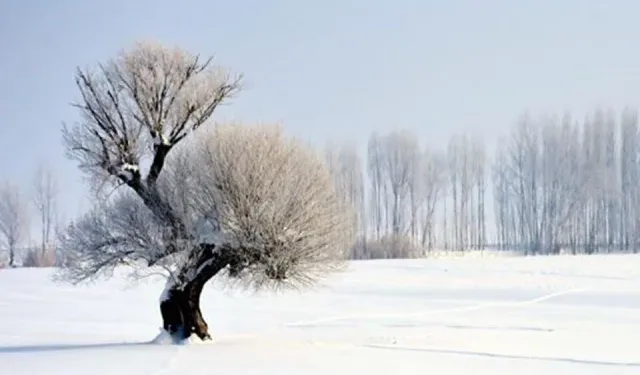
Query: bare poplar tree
[[401, 156], [45, 201], [377, 201], [432, 182], [479, 161], [612, 188], [466, 180], [501, 198], [453, 162], [630, 178], [246, 202], [14, 219], [346, 166]]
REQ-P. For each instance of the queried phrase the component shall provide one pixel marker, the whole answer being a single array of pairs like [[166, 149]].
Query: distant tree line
[[556, 185], [562, 184]]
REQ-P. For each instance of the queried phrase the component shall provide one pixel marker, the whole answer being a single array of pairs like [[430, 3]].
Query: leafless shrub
[[274, 201]]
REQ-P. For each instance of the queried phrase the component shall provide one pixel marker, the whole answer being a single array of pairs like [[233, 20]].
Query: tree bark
[[180, 309], [181, 314]]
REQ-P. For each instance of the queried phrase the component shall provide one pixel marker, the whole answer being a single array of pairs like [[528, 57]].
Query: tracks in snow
[[275, 338], [474, 307]]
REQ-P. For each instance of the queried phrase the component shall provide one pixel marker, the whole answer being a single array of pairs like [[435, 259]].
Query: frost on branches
[[247, 203]]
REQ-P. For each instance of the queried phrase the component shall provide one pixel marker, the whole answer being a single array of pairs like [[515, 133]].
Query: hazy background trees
[[424, 197], [14, 220], [562, 184], [557, 184], [21, 209]]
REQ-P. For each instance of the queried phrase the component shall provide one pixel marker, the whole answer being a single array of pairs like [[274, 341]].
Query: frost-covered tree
[[346, 167], [432, 182], [378, 186], [400, 156], [248, 203], [14, 219]]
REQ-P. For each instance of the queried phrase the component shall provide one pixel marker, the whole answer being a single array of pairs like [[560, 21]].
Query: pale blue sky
[[327, 68]]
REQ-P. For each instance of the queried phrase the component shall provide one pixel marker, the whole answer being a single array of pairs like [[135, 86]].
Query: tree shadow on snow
[[64, 347]]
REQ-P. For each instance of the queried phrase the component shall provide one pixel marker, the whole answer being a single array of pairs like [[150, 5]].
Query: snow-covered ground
[[484, 315]]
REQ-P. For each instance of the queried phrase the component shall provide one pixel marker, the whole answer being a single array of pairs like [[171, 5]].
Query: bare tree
[[432, 179], [630, 176], [400, 161], [14, 219], [347, 169], [453, 162], [479, 163], [249, 202], [501, 198], [378, 191], [45, 202]]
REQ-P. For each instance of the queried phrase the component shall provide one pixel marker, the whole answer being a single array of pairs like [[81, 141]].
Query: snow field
[[478, 315]]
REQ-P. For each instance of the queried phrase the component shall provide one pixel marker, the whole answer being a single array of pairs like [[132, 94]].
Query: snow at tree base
[[473, 315]]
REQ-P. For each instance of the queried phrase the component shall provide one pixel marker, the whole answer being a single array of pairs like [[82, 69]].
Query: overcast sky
[[327, 68]]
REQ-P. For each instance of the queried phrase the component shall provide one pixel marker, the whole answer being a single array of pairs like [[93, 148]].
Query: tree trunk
[[12, 257], [181, 314], [180, 307]]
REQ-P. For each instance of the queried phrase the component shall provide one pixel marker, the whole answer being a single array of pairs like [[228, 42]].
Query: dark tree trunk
[[182, 316], [180, 309], [12, 257]]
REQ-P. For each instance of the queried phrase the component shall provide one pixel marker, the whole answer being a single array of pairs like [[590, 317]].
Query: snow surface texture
[[493, 315]]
